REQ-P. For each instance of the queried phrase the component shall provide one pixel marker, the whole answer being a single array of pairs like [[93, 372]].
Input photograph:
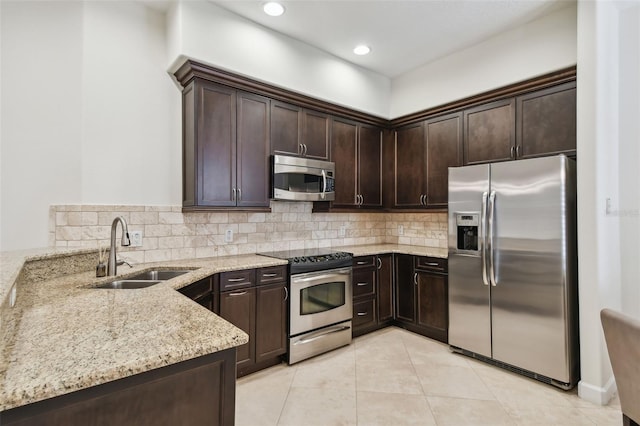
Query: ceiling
[[402, 34]]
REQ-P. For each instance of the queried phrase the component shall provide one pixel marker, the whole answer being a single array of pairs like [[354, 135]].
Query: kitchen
[[92, 136]]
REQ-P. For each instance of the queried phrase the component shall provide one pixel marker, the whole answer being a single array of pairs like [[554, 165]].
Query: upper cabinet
[[546, 121], [356, 150], [225, 147], [535, 124], [424, 152], [298, 131]]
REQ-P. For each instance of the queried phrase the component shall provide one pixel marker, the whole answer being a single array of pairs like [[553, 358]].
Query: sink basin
[[129, 284], [158, 275]]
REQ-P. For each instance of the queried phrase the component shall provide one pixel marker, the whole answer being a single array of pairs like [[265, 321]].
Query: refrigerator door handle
[[483, 230], [492, 211]]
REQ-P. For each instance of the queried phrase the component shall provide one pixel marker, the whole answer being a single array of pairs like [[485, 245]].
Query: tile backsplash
[[169, 234]]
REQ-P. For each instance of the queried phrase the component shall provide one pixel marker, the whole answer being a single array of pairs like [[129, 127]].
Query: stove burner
[[312, 259]]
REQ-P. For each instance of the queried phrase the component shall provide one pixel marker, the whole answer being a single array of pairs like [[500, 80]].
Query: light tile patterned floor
[[393, 377]]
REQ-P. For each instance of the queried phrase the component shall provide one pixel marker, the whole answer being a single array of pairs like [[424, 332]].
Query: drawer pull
[[362, 262], [235, 280], [240, 293], [431, 263], [361, 314], [362, 284], [269, 275]]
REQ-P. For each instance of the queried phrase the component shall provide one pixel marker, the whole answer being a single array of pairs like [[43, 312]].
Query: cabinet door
[[489, 132], [433, 304], [405, 289], [546, 121], [271, 321], [216, 140], [385, 287], [409, 166], [286, 127], [315, 134], [444, 150], [239, 308], [253, 151], [344, 147], [370, 166]]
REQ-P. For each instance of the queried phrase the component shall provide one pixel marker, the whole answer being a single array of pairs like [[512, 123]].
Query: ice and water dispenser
[[467, 231]]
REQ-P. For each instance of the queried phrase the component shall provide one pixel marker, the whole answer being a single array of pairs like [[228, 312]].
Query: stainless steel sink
[[129, 284], [158, 275]]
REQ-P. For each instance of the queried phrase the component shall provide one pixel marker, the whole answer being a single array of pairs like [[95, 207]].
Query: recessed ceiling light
[[273, 8], [361, 49]]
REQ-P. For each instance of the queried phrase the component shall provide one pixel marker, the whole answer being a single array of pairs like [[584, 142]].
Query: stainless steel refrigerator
[[513, 294]]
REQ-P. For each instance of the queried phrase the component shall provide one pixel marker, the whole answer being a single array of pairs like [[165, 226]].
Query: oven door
[[319, 299]]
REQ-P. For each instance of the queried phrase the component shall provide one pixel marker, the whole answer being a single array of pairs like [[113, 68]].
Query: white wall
[[90, 114], [41, 112], [208, 33], [539, 47], [607, 143]]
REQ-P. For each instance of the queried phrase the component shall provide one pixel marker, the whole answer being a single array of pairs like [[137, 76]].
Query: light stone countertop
[[63, 335]]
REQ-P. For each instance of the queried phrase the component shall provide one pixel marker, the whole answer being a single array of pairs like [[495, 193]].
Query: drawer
[[364, 313], [197, 289], [431, 263], [274, 274], [364, 282], [364, 262], [237, 279]]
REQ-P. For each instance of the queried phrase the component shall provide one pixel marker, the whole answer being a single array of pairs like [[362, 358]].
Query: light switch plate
[[342, 231], [228, 236], [400, 230]]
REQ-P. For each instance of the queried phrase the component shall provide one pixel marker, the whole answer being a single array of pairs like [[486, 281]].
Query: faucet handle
[[121, 262]]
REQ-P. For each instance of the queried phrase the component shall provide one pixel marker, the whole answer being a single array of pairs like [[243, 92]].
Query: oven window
[[322, 297]]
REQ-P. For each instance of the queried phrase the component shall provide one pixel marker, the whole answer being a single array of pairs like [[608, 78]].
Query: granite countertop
[[64, 335]]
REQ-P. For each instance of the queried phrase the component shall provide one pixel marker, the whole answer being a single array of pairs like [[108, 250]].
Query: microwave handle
[[324, 184]]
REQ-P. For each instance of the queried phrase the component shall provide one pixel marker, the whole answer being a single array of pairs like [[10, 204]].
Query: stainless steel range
[[320, 305]]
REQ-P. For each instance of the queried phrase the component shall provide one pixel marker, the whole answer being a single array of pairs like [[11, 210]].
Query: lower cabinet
[[422, 295], [255, 301], [372, 293]]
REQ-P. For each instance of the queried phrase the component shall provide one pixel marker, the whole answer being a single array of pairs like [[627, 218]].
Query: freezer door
[[469, 308], [534, 260]]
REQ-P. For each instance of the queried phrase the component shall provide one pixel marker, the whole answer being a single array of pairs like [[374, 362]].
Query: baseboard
[[596, 394]]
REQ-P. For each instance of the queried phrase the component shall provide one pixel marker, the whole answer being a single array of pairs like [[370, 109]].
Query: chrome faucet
[[113, 263]]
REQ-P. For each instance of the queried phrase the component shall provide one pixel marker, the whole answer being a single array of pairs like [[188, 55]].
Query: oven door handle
[[322, 277], [322, 334]]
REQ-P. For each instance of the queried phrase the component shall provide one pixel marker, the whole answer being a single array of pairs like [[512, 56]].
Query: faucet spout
[[113, 264]]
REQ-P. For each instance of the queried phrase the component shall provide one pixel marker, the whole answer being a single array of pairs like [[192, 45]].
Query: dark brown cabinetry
[[299, 131], [421, 295], [546, 122], [201, 292], [255, 301], [535, 124], [423, 153], [356, 150], [372, 293], [225, 147]]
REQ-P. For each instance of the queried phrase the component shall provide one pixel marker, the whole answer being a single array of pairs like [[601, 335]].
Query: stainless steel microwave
[[302, 179]]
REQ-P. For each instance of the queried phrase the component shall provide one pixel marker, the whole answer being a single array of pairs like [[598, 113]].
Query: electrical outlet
[[342, 231], [228, 236], [400, 230], [136, 238]]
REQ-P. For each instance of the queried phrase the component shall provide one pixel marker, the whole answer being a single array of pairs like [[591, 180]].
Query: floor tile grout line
[[284, 403]]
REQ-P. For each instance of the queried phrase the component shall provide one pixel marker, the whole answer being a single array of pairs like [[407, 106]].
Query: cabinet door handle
[[240, 293], [361, 284], [286, 293], [299, 149], [269, 275], [513, 148], [517, 150], [305, 149], [235, 280], [361, 314], [233, 194], [415, 278], [426, 199], [361, 199], [239, 194], [379, 262]]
